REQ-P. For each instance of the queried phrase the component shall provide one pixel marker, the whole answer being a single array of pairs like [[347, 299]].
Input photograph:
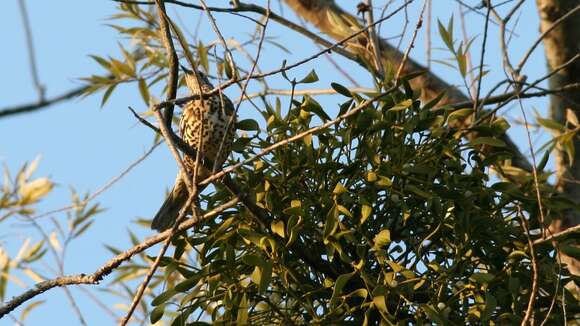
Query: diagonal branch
[[110, 265], [35, 106]]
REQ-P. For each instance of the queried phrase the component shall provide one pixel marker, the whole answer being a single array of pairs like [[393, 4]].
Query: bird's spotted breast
[[203, 125]]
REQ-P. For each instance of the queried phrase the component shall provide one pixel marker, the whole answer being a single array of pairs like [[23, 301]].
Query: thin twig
[[544, 33], [481, 61], [510, 96], [297, 137], [40, 89], [104, 187], [412, 43], [60, 263], [312, 92], [171, 58], [110, 265], [555, 236], [532, 300], [328, 49], [532, 85], [153, 268], [373, 38], [35, 106]]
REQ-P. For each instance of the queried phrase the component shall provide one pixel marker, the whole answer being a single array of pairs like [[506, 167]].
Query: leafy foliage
[[386, 216]]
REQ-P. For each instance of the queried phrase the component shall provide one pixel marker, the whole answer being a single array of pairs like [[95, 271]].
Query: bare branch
[[412, 43], [31, 107], [40, 89], [110, 265], [555, 236]]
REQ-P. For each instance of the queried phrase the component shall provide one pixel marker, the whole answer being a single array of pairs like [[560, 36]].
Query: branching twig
[[31, 55], [312, 92], [110, 265], [412, 43], [511, 95], [534, 291], [31, 107], [171, 58], [297, 137], [481, 61], [544, 33], [555, 236], [104, 187], [328, 49], [165, 126]]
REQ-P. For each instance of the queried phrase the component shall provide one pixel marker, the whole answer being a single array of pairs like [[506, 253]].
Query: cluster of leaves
[[386, 216], [18, 199]]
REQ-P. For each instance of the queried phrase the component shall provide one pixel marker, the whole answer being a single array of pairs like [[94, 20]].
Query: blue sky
[[83, 146]]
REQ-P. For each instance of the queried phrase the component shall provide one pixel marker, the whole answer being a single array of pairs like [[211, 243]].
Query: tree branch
[[110, 265], [31, 107]]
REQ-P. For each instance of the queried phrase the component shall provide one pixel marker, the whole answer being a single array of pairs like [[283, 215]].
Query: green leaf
[[187, 284], [157, 314], [366, 211], [447, 34], [341, 89], [339, 189], [248, 125], [382, 239], [433, 314], [253, 260], [491, 141], [339, 285], [102, 62], [311, 105], [402, 105], [310, 78], [481, 278], [144, 90], [331, 222], [490, 305], [381, 304], [433, 102], [202, 55], [278, 228], [242, 317], [459, 114], [163, 297], [107, 94], [551, 124]]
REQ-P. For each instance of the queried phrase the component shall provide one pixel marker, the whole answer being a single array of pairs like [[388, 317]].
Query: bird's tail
[[169, 211]]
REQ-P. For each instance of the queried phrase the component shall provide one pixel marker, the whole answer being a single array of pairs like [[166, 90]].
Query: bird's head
[[198, 83]]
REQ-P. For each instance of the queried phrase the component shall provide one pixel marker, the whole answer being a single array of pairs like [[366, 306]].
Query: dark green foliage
[[386, 216]]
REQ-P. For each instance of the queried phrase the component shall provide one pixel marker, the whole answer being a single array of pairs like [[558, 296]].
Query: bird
[[207, 124]]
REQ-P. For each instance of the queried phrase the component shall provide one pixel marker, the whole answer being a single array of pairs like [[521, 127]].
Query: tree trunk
[[562, 44]]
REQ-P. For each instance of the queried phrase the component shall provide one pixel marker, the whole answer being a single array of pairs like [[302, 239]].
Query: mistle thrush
[[208, 126]]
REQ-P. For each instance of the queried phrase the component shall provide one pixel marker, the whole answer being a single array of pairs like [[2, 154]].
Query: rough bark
[[561, 44]]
